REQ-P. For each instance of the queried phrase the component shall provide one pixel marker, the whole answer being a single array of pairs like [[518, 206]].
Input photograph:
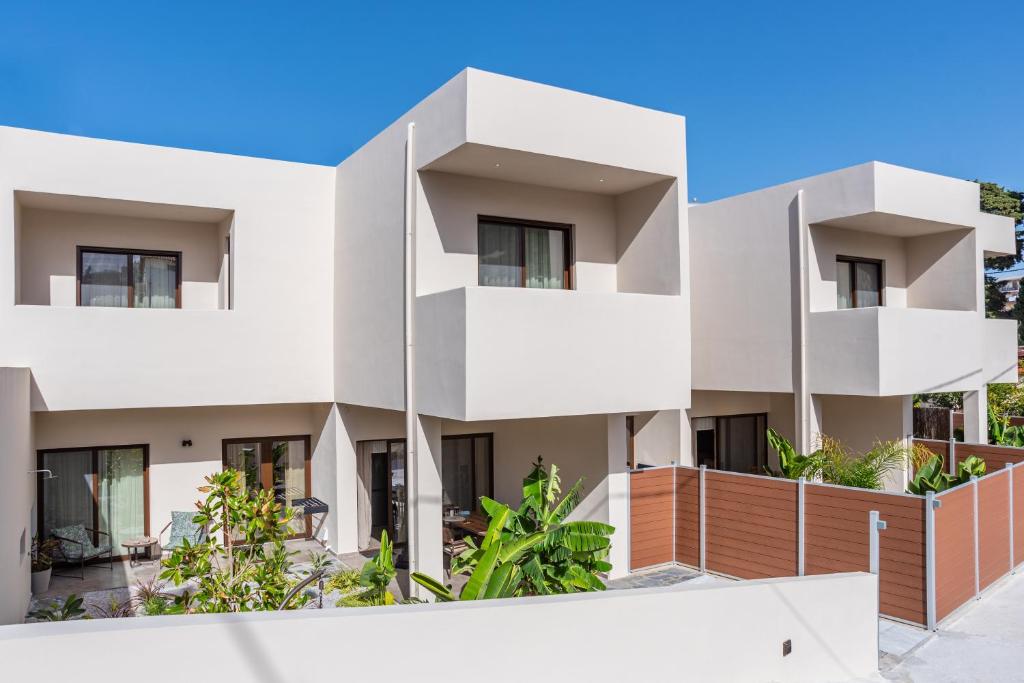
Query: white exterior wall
[[17, 509], [273, 347], [831, 620]]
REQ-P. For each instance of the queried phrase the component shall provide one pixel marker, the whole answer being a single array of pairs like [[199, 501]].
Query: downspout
[[803, 422], [409, 304]]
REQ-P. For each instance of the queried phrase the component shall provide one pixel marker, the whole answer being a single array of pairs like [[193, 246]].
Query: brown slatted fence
[[954, 550], [1018, 514], [836, 527], [688, 516], [750, 523], [651, 516], [995, 457], [993, 527]]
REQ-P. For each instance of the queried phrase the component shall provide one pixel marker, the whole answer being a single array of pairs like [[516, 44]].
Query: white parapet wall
[[705, 632]]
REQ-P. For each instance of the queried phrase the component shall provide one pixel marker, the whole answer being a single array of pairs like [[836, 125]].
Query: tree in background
[[1003, 202]]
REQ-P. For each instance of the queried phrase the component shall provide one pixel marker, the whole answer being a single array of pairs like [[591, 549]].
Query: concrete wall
[[827, 242], [48, 254], [17, 519], [831, 622], [176, 471], [273, 347]]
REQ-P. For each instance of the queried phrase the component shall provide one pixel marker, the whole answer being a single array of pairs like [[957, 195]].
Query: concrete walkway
[[983, 643]]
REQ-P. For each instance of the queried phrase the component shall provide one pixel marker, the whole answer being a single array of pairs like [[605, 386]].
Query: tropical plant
[[249, 570], [114, 609], [346, 581], [792, 465], [495, 571], [42, 553], [374, 579], [320, 561], [931, 477], [1001, 433], [70, 609]]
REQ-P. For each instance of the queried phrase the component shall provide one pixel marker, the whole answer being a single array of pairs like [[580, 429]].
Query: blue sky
[[772, 91]]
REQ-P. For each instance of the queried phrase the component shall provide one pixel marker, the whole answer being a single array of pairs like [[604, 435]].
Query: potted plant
[[42, 563]]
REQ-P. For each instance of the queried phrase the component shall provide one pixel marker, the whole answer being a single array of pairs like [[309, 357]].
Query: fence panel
[[954, 550], [836, 525], [1018, 514], [751, 525], [688, 516], [993, 527], [652, 536], [995, 457]]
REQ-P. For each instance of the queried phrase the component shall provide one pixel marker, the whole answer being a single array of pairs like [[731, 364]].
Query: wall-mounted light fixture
[[49, 474], [186, 443]]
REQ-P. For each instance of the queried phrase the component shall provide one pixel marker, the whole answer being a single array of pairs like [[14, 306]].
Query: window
[[105, 488], [858, 282], [467, 470], [280, 464], [129, 278], [736, 443], [524, 254]]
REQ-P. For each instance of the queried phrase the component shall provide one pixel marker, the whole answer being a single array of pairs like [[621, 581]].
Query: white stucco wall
[[273, 347], [17, 508], [176, 471], [831, 621]]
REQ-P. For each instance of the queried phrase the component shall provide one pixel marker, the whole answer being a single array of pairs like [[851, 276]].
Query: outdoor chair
[[76, 547], [451, 548], [182, 527]]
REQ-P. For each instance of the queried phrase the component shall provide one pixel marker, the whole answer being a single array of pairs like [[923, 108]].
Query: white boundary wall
[[705, 632]]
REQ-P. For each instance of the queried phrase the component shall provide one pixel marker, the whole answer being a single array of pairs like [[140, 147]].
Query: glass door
[[279, 464], [100, 488], [396, 453]]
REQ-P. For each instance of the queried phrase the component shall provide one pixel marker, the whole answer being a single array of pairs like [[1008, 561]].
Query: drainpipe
[[802, 397], [409, 303]]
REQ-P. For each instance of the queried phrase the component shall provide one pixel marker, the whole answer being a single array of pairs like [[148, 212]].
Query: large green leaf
[[440, 591], [482, 574]]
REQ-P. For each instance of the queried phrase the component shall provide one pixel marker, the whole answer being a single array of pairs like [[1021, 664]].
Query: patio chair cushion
[[183, 527], [68, 545]]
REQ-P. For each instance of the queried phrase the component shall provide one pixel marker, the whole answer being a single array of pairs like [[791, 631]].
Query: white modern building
[[508, 271]]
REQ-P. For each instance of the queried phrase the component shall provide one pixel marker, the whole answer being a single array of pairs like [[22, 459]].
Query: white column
[[908, 438], [976, 416], [809, 423], [618, 496], [424, 501], [686, 456]]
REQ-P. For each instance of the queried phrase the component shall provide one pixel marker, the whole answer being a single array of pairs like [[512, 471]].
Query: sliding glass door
[[467, 471], [279, 464], [103, 488]]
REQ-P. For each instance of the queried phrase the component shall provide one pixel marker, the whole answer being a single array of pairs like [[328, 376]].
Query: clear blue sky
[[772, 91]]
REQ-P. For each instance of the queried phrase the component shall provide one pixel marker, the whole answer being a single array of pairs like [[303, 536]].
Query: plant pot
[[41, 581]]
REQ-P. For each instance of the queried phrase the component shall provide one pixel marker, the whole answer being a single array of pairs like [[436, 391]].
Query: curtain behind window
[[156, 281], [545, 258], [499, 257], [121, 495], [67, 497], [104, 279], [868, 280], [844, 285]]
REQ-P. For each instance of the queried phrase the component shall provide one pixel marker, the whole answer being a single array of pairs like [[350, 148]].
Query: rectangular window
[[467, 467], [735, 443], [104, 488], [858, 282], [279, 464], [515, 253], [129, 278]]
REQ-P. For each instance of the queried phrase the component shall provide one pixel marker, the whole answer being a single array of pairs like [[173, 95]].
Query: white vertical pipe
[[929, 558], [702, 489], [977, 577], [952, 455], [800, 344], [800, 529], [411, 418]]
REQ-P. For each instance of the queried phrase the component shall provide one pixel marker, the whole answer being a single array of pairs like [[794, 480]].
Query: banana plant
[[931, 477], [376, 576], [1001, 433], [792, 465]]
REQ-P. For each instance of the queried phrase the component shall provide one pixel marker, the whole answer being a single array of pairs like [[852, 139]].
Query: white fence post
[[1009, 475], [875, 524], [800, 537], [930, 503], [952, 454], [977, 578], [703, 524]]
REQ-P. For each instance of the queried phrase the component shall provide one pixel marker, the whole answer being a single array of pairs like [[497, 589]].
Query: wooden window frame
[[568, 249], [267, 465], [851, 262], [94, 474], [80, 250], [472, 458]]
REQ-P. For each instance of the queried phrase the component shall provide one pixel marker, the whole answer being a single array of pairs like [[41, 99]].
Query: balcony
[[495, 353], [890, 351]]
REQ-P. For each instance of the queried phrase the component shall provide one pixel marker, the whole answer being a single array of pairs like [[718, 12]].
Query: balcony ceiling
[[119, 207], [892, 224], [517, 166]]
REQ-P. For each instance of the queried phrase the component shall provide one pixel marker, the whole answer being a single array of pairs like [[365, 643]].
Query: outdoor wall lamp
[[186, 443], [49, 474]]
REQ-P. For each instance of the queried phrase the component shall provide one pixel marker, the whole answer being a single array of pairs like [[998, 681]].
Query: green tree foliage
[[1002, 202], [249, 571], [833, 463]]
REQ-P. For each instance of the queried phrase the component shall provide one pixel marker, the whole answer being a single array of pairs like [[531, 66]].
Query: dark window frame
[[472, 458], [851, 262], [568, 249], [80, 250], [94, 475]]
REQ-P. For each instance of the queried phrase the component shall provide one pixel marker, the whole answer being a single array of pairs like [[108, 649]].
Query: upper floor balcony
[[883, 351], [498, 352]]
